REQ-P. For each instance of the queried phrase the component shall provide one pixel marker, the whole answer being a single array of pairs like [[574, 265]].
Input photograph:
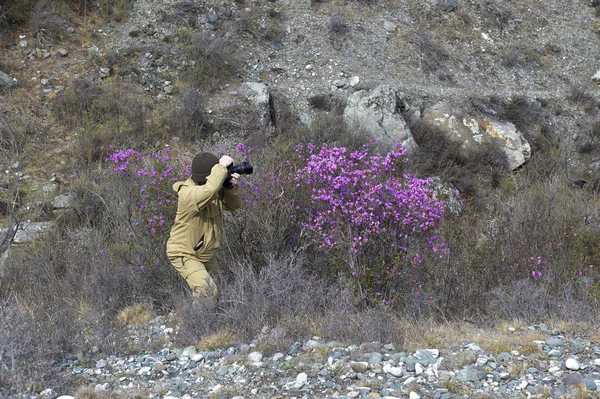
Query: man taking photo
[[196, 233]]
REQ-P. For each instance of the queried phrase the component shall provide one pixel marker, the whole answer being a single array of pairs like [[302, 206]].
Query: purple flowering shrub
[[372, 218], [154, 201]]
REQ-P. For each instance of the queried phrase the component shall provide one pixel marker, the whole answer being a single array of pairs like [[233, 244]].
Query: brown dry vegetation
[[270, 278]]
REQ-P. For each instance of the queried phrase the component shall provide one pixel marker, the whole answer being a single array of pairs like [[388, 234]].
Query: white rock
[[302, 378], [523, 384], [277, 357], [353, 82], [418, 369], [23, 44], [572, 364], [145, 371], [309, 67], [596, 77], [596, 362], [255, 357], [65, 397], [389, 26], [197, 357], [395, 371], [409, 381], [414, 395]]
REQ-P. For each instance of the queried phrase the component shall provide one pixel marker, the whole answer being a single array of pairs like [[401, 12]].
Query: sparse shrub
[[116, 10], [189, 119], [473, 171], [212, 61], [580, 95], [338, 24], [186, 12], [433, 55], [522, 56], [46, 24], [326, 102]]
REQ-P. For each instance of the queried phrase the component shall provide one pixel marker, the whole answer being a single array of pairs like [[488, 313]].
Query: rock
[[278, 333], [48, 394], [389, 26], [572, 379], [259, 96], [30, 231], [590, 384], [376, 114], [62, 201], [449, 5], [359, 367], [414, 395], [6, 81], [471, 132], [572, 364], [212, 18], [395, 371], [188, 351], [23, 44], [62, 52], [471, 374], [554, 341], [596, 77], [354, 81], [504, 357], [255, 357]]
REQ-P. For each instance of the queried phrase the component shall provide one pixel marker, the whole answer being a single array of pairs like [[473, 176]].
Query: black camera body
[[243, 168]]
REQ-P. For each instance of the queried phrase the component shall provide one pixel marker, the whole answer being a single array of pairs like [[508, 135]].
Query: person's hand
[[234, 179], [226, 160]]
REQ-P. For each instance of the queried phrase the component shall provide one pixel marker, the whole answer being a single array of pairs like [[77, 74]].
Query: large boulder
[[472, 131], [258, 95], [376, 113]]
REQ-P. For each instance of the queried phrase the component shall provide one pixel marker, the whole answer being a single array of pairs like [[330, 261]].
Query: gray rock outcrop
[[472, 131], [376, 113]]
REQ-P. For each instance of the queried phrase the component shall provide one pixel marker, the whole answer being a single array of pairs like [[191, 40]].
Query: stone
[[212, 18], [389, 26], [471, 132], [255, 357], [359, 367], [572, 379], [554, 341], [62, 201], [188, 351], [23, 44], [503, 357], [30, 231], [596, 77], [354, 81], [471, 374], [572, 364], [395, 371], [414, 395], [62, 52], [278, 333], [258, 95], [376, 113], [449, 5]]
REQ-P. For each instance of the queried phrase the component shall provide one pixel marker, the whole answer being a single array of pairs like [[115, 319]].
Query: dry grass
[[217, 340], [137, 315]]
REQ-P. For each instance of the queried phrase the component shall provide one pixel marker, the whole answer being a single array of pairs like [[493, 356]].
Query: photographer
[[196, 233]]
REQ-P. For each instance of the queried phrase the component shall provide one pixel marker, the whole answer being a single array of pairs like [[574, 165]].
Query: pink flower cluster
[[357, 198]]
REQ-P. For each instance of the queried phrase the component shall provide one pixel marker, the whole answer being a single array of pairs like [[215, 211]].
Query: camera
[[243, 168]]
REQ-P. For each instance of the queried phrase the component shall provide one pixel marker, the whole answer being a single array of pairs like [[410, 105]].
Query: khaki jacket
[[199, 219]]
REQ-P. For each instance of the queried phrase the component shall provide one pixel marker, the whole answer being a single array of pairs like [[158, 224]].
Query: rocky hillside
[[498, 99]]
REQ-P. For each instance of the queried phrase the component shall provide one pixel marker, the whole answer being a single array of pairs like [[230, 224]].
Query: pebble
[[367, 371]]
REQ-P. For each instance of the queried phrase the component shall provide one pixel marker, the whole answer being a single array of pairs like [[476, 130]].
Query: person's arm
[[232, 198], [204, 193]]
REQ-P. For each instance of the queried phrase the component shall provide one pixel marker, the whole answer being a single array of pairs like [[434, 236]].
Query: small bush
[[45, 23], [433, 55], [212, 60], [580, 95], [186, 12], [326, 102], [338, 24], [522, 56]]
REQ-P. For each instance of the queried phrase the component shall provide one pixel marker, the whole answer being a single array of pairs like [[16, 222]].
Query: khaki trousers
[[198, 274]]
